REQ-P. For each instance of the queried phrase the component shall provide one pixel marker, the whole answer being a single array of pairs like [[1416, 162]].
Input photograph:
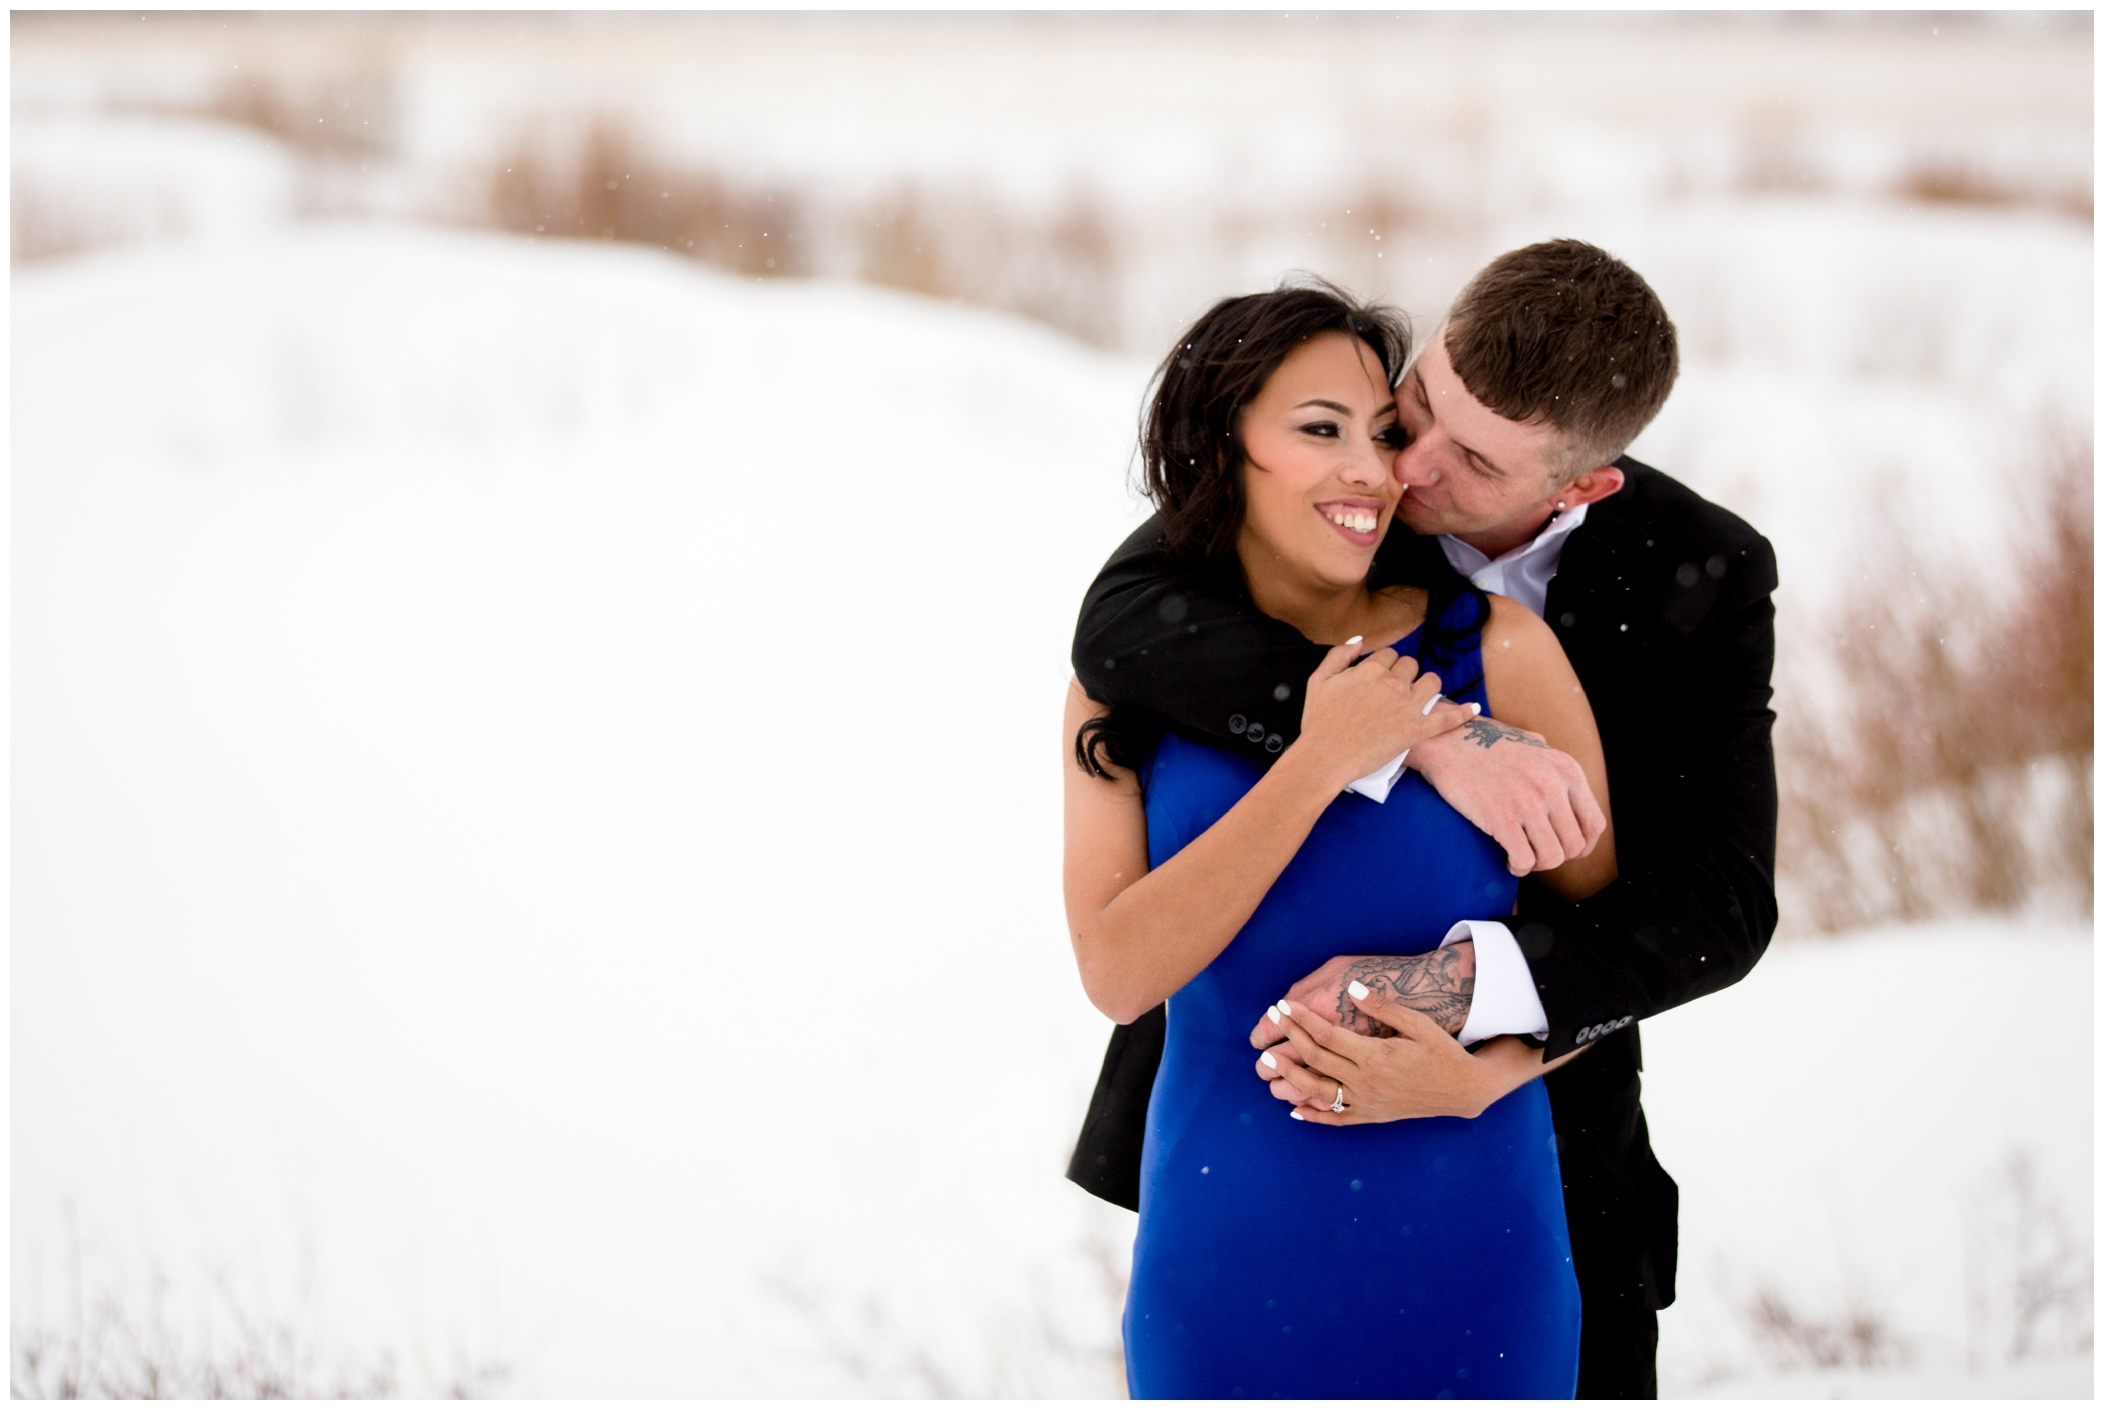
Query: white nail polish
[[1272, 1013], [1357, 990], [1474, 709], [1268, 1060], [1285, 1008], [1353, 641], [1431, 705], [1295, 1114]]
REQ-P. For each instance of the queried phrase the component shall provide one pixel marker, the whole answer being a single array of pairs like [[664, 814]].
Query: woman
[[1274, 1257]]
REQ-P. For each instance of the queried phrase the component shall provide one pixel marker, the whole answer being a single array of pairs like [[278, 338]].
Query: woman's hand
[[1421, 1071], [1359, 716]]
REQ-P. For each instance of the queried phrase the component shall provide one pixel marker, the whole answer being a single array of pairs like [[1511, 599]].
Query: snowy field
[[536, 763], [537, 783]]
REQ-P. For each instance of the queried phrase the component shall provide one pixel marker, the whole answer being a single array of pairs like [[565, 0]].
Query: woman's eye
[[1321, 428], [1395, 437]]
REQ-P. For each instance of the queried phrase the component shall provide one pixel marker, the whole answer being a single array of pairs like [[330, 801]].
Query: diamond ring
[[1338, 1105]]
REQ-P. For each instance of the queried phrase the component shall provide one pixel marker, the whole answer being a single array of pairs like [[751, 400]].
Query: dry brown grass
[[1059, 267], [335, 113], [45, 222], [115, 1340], [1954, 184], [2030, 1271], [610, 188], [1956, 773], [1792, 1338], [1058, 1338]]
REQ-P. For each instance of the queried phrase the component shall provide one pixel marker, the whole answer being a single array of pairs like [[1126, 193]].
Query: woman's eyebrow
[[1337, 407]]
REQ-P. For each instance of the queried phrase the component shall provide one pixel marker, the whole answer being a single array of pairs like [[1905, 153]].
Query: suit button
[[1274, 743], [1236, 724], [1255, 731]]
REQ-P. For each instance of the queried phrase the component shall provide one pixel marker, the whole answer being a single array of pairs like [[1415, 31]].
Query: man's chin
[[1424, 525]]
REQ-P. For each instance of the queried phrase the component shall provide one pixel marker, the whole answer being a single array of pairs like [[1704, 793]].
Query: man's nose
[[1415, 464]]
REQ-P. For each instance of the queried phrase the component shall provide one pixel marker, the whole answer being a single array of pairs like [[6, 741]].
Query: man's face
[[1469, 471]]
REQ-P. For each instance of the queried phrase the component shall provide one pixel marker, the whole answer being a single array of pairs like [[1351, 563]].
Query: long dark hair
[[1192, 458]]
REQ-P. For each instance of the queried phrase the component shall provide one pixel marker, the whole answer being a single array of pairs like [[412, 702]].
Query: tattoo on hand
[[1486, 733], [1434, 984]]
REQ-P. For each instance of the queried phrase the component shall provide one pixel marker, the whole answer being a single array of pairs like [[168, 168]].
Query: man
[[1517, 412]]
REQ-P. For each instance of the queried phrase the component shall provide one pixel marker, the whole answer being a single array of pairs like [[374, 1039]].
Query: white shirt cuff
[[1376, 784], [1504, 1001]]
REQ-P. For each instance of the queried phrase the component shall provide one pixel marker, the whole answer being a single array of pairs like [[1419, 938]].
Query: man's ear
[[1593, 484]]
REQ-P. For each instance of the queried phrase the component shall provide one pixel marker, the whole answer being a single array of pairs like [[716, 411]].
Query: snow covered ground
[[1840, 1123], [535, 760], [536, 780]]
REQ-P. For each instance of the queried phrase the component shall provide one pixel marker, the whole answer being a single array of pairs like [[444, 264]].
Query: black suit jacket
[[1662, 602]]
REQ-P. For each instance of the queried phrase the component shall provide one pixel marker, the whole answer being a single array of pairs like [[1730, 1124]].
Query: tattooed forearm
[[1485, 733], [1440, 985]]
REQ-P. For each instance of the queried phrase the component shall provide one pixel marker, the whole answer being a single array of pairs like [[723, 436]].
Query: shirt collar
[[1471, 560]]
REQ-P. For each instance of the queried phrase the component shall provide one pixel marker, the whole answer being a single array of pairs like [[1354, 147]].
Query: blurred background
[[544, 548]]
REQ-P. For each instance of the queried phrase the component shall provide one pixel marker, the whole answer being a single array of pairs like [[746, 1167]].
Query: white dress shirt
[[1505, 1000]]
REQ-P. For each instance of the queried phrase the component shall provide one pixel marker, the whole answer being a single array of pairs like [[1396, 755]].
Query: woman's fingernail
[[1268, 1060], [1475, 709], [1272, 1013], [1285, 1008], [1353, 641], [1295, 1114], [1431, 705], [1357, 990]]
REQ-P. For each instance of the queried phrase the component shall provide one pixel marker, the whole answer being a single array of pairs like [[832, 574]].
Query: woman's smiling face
[[1318, 443]]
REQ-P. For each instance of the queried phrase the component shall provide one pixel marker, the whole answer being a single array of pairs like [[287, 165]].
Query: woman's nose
[[1368, 467]]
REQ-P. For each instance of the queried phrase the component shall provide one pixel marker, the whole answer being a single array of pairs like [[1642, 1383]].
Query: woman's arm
[[1139, 936], [1531, 687], [1196, 652]]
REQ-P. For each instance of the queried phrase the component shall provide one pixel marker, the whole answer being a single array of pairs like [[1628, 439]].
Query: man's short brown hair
[[1564, 333]]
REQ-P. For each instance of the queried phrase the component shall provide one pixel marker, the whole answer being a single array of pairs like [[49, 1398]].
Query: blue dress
[[1420, 1259]]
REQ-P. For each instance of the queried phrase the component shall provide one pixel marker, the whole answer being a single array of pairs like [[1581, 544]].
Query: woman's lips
[[1359, 520]]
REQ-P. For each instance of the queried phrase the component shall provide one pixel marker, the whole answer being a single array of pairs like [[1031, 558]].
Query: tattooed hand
[[1440, 985], [1486, 734], [1531, 798]]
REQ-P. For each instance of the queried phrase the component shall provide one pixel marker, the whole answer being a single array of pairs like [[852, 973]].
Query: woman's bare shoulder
[[1513, 629]]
